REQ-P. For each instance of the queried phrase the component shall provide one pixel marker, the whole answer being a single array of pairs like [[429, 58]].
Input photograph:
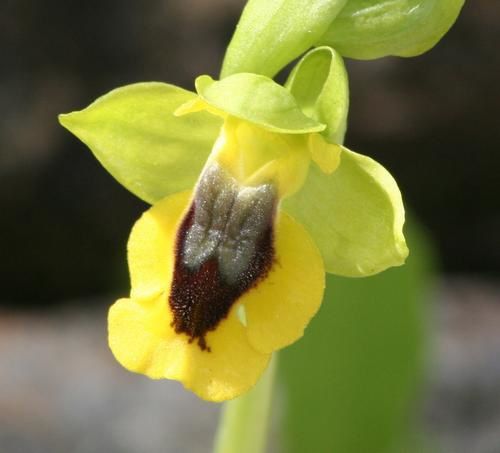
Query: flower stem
[[243, 426]]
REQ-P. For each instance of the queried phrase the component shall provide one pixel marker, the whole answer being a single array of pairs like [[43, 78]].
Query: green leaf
[[320, 85], [355, 216], [351, 383], [367, 29], [259, 100], [272, 33], [133, 133]]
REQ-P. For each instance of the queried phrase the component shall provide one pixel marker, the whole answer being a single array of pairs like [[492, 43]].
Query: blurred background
[[431, 120]]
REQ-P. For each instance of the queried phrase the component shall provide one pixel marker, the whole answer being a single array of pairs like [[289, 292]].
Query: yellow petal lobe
[[279, 308], [198, 105], [325, 155], [142, 340], [151, 246]]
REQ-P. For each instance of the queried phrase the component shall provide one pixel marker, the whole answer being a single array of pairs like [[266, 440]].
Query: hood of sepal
[[254, 98]]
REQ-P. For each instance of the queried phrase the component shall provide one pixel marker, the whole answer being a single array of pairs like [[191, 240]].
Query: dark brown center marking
[[224, 247]]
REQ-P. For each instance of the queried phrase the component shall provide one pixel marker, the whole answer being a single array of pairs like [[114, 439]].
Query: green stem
[[244, 421]]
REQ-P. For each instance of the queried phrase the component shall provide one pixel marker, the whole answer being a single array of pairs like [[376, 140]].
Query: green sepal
[[133, 133], [367, 29], [355, 216], [320, 85], [272, 33], [257, 99]]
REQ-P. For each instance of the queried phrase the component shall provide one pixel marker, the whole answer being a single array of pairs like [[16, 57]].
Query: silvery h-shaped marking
[[229, 220]]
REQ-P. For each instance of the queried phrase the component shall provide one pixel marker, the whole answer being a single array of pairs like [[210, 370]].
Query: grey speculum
[[224, 247]]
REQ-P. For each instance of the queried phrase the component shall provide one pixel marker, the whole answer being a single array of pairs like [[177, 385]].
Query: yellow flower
[[252, 203], [221, 276]]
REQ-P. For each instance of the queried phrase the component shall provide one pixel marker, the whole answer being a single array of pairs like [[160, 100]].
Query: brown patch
[[201, 298]]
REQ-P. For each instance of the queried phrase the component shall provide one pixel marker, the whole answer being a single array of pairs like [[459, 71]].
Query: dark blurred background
[[433, 121]]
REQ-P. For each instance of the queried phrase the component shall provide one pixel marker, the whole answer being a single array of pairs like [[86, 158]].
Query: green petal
[[355, 216], [319, 84], [272, 33], [259, 100], [367, 29], [133, 133]]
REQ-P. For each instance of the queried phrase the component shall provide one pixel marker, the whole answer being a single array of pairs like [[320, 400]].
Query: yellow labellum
[[278, 308], [221, 277]]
